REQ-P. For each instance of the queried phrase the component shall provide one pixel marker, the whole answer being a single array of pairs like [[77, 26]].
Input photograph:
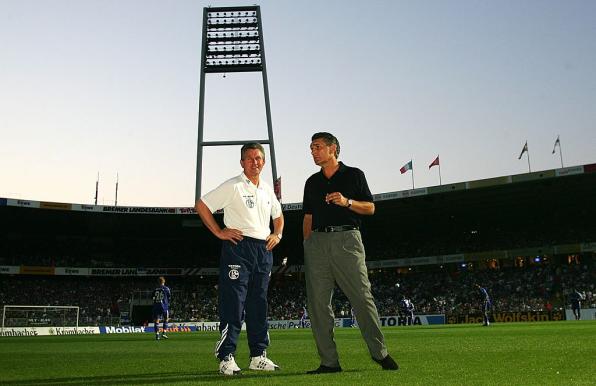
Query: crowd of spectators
[[98, 252], [513, 289], [442, 290], [460, 240], [184, 250]]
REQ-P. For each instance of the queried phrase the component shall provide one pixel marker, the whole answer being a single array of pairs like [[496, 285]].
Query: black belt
[[336, 228]]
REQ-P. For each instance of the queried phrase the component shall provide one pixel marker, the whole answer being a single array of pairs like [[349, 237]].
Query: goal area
[[40, 316]]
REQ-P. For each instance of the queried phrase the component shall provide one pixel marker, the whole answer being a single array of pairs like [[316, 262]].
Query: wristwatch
[[349, 202], [278, 236]]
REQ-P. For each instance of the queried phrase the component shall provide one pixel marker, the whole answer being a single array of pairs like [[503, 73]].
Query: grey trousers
[[339, 257]]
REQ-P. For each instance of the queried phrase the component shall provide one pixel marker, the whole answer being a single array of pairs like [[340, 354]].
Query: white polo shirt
[[246, 207]]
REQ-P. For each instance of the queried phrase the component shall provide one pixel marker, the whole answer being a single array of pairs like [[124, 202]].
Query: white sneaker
[[228, 366], [262, 363]]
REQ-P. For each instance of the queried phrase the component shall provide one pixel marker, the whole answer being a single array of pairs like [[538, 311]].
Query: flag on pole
[[525, 149], [557, 142], [406, 167], [277, 188], [434, 163]]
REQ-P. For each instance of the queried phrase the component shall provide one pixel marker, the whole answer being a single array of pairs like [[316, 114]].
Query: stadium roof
[[459, 186]]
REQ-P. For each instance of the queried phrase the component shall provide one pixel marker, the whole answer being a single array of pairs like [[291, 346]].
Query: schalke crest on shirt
[[249, 201]]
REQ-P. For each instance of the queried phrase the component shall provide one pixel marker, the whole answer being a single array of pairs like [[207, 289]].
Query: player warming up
[[484, 304], [303, 317], [353, 321], [406, 308], [575, 298], [161, 305]]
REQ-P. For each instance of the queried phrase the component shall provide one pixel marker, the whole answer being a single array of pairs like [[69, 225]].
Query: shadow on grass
[[162, 378]]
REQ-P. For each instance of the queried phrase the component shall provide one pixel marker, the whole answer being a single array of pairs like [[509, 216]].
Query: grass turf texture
[[515, 354]]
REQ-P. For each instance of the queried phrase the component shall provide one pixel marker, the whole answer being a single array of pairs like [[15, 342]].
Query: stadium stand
[[543, 286], [528, 238]]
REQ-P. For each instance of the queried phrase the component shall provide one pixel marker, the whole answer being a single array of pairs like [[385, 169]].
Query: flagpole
[[116, 198], [412, 174], [560, 151], [96, 187], [528, 154], [440, 183]]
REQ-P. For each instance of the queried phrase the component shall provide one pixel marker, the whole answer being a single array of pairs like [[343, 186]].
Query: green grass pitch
[[549, 353]]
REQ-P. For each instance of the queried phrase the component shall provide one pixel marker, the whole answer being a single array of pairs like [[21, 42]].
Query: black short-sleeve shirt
[[350, 182]]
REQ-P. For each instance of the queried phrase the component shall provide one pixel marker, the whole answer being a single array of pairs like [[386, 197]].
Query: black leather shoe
[[387, 363], [325, 369]]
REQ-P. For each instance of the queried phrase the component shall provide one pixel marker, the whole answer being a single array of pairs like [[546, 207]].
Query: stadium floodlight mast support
[[232, 42]]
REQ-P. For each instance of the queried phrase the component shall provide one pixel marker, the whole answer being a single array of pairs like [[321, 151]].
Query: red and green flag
[[406, 167]]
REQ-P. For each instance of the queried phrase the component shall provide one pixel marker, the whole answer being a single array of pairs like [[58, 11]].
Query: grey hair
[[252, 145], [329, 139]]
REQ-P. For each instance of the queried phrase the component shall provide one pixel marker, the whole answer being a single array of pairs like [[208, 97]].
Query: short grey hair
[[252, 145]]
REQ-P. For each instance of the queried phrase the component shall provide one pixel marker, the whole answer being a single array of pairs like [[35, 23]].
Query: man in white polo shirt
[[246, 258]]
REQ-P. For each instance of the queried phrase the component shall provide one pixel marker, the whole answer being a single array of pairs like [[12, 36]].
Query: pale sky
[[112, 86]]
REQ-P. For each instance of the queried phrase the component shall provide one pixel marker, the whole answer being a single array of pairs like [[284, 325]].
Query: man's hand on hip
[[232, 235]]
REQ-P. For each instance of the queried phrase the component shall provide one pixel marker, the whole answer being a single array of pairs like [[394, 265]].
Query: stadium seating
[[439, 291]]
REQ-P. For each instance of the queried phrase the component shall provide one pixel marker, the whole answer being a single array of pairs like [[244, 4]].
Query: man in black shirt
[[335, 198]]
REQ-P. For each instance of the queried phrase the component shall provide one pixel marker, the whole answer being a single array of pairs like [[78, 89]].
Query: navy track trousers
[[244, 273]]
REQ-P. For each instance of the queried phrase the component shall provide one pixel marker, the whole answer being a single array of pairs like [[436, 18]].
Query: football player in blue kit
[[406, 308], [161, 307], [485, 304], [575, 298], [303, 317]]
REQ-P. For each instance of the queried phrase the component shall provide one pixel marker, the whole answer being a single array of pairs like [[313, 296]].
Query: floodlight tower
[[232, 42]]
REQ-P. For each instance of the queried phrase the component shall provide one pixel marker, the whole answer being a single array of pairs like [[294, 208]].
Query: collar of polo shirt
[[248, 181]]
